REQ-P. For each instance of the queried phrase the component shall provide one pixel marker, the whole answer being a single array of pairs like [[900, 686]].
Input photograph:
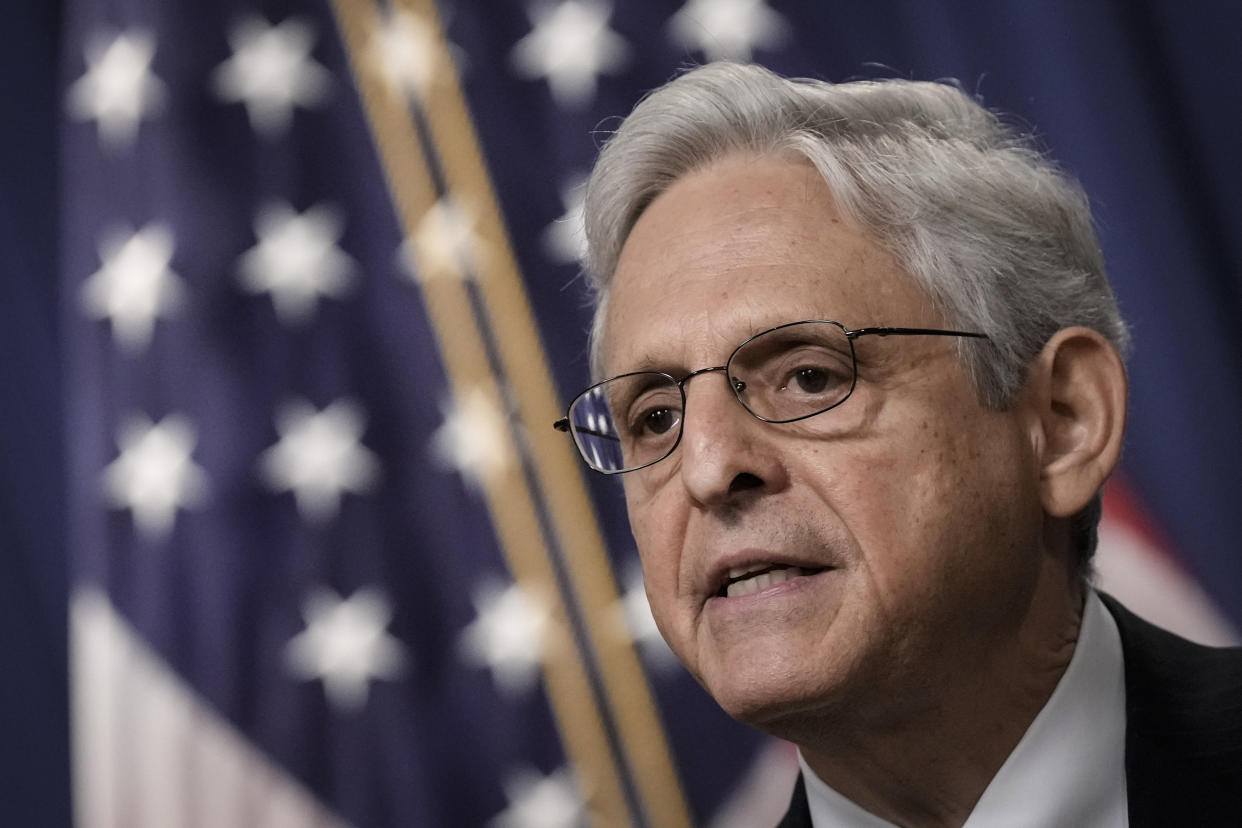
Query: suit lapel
[[1183, 727]]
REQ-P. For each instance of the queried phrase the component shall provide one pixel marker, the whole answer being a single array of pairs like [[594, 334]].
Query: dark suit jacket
[[1183, 731]]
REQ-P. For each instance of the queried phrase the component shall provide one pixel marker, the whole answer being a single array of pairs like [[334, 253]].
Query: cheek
[[932, 513], [643, 509], [659, 535]]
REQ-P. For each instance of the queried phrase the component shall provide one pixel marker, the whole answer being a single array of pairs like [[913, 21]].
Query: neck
[[931, 766]]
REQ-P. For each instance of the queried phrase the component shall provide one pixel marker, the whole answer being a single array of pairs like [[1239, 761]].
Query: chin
[[770, 704]]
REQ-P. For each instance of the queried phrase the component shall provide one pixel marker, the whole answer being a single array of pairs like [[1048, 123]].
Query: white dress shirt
[[1069, 766]]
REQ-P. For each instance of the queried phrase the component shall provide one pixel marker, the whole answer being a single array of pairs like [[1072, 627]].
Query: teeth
[[766, 579], [739, 571]]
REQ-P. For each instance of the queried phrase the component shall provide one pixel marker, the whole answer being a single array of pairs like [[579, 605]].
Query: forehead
[[744, 244]]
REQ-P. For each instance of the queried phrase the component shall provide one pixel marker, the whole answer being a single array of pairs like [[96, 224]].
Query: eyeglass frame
[[564, 424]]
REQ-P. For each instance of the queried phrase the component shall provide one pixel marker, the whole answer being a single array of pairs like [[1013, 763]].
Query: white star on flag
[[474, 439], [728, 29], [271, 72], [570, 45], [445, 245], [319, 457], [564, 240], [346, 645], [297, 259], [508, 635], [632, 618], [134, 285], [154, 474], [407, 53], [118, 89], [538, 801]]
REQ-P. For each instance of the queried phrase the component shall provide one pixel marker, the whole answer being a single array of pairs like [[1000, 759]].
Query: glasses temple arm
[[911, 332], [563, 425]]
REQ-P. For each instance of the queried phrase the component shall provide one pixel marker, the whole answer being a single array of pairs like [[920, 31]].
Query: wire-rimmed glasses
[[781, 375]]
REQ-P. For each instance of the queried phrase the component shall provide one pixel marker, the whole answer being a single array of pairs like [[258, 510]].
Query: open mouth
[[743, 580]]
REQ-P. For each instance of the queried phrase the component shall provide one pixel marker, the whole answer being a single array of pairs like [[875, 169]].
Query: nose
[[727, 455]]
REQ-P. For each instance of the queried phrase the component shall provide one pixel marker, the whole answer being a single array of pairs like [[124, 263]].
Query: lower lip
[[791, 590]]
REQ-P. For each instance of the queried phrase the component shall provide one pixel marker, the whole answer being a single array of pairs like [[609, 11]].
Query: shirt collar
[[1069, 766]]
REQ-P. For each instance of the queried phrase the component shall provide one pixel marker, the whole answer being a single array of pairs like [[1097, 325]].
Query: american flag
[[331, 564]]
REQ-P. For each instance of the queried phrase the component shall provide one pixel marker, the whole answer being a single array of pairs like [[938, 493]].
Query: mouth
[[743, 580]]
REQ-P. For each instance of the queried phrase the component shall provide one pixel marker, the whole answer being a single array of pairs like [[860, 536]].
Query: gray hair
[[997, 236]]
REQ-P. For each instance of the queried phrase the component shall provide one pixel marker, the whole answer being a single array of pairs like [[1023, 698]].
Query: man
[[865, 385]]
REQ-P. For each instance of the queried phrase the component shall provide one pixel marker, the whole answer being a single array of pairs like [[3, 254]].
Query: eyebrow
[[649, 362]]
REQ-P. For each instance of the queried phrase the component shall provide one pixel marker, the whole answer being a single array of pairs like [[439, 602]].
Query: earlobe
[[1079, 388]]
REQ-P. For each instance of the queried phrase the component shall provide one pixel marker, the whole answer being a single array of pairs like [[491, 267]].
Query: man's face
[[908, 517]]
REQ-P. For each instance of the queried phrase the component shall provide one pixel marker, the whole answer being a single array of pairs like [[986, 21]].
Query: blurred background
[[289, 303]]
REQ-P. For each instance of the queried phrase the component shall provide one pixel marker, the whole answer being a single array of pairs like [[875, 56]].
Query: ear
[[1078, 387]]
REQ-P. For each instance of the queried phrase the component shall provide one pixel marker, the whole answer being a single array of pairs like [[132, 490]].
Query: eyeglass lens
[[781, 375]]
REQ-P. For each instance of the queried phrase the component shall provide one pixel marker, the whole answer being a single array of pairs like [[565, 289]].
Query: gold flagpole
[[645, 758]]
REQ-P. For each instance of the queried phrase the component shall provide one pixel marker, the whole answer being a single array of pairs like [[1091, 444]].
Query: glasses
[[782, 375]]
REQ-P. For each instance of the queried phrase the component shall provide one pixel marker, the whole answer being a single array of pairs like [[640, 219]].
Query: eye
[[654, 414], [814, 379], [644, 406], [793, 371], [811, 380], [658, 420]]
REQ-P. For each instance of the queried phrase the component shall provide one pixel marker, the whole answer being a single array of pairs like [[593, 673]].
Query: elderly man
[[861, 371]]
